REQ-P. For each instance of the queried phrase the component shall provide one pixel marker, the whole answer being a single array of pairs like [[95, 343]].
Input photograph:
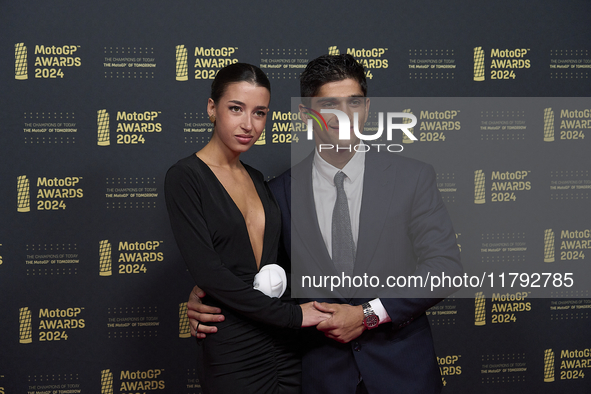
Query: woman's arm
[[200, 314], [183, 200]]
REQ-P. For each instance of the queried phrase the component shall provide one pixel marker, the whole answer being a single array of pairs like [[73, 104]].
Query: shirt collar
[[353, 169]]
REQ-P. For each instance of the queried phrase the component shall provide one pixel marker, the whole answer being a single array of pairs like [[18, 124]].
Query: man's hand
[[345, 324], [200, 313]]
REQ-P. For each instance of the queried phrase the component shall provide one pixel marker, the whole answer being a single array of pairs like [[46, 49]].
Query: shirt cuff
[[379, 309]]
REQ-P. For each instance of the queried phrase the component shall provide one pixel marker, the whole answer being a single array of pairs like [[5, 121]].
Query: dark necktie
[[343, 247]]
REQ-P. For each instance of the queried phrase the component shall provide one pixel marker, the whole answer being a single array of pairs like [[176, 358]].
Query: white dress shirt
[[325, 195]]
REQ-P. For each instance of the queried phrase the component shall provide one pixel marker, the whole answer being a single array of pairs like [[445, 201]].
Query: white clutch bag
[[271, 280]]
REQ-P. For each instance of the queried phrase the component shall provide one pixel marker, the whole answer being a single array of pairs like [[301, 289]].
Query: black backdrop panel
[[99, 98]]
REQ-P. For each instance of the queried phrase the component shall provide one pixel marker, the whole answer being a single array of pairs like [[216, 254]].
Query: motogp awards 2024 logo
[[49, 60]]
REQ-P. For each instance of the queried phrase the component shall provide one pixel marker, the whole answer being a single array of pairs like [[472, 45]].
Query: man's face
[[345, 96]]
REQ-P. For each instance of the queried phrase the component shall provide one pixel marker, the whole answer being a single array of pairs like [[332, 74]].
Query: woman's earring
[[212, 118]]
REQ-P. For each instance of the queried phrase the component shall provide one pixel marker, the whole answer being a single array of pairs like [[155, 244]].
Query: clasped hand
[[345, 323], [341, 322]]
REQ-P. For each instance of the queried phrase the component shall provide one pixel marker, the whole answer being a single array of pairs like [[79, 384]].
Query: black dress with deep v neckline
[[259, 266], [255, 349]]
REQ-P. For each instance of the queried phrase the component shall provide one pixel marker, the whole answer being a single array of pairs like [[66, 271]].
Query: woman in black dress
[[227, 225]]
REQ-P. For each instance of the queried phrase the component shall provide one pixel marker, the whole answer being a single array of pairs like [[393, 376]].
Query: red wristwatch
[[370, 320]]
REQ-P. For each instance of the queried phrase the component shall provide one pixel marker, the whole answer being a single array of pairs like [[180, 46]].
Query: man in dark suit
[[395, 221]]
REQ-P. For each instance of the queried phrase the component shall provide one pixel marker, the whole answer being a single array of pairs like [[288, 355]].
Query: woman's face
[[240, 115]]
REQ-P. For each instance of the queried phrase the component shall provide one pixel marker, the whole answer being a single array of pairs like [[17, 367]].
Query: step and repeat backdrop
[[99, 99]]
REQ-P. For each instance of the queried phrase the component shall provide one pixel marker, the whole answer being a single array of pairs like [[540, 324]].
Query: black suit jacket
[[404, 226]]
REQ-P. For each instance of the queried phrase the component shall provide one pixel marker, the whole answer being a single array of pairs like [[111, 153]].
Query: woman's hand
[[312, 316]]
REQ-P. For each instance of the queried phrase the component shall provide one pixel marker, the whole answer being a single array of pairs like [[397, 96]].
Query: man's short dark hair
[[331, 68]]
